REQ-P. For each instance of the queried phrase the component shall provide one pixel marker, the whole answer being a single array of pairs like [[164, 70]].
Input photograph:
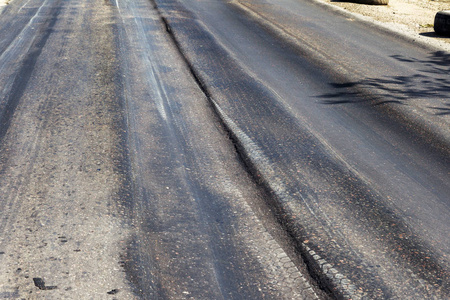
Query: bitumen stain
[[40, 283], [113, 292]]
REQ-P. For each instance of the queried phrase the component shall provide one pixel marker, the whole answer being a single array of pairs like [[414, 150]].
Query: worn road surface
[[246, 149]]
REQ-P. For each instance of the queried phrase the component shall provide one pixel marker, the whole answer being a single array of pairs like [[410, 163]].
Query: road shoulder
[[412, 18]]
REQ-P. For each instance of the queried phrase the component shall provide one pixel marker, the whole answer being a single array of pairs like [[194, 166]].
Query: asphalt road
[[184, 149]]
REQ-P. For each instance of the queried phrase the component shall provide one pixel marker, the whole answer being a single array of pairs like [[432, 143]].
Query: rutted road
[[349, 132], [213, 150], [117, 179]]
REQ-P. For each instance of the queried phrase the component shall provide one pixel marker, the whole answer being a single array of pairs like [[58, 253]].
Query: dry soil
[[414, 18]]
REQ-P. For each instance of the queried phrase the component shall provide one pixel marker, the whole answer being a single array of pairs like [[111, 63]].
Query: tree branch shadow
[[440, 111], [431, 80]]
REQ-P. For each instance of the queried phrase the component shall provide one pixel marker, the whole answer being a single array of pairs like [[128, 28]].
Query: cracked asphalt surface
[[252, 149]]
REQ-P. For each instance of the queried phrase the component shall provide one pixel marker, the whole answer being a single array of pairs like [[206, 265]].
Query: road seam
[[326, 276]]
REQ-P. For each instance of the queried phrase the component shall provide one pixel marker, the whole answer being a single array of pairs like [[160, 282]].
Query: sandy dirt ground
[[3, 3], [411, 17]]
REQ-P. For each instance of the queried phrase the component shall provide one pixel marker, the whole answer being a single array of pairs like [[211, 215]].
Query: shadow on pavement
[[431, 80], [433, 34]]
